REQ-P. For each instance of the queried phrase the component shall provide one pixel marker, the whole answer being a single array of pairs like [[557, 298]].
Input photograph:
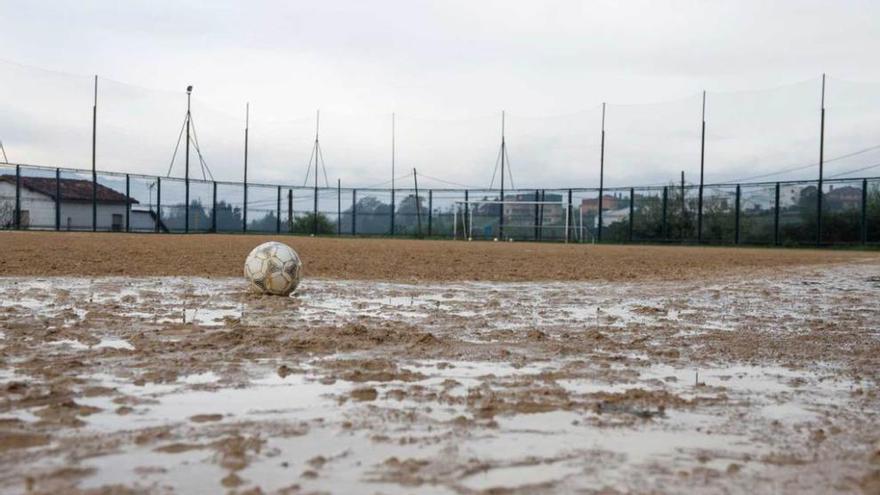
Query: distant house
[[609, 202], [38, 203], [844, 198]]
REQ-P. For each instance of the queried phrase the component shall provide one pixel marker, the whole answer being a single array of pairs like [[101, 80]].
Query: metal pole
[[665, 223], [541, 217], [821, 167], [430, 210], [601, 175], [392, 172], [568, 219], [736, 217], [418, 206], [683, 208], [501, 206], [94, 161], [317, 147], [338, 206], [214, 206], [537, 206], [776, 218], [58, 198], [186, 176], [278, 213], [702, 164], [290, 210], [158, 203], [632, 199], [127, 203], [466, 216], [17, 197], [353, 211], [247, 124], [864, 226]]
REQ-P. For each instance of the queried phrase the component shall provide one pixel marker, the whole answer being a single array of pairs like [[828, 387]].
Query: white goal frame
[[468, 224]]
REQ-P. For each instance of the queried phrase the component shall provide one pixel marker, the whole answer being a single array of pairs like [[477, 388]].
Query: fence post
[[127, 203], [736, 216], [278, 213], [244, 204], [214, 206], [536, 213], [541, 217], [819, 195], [569, 220], [665, 203], [58, 198], [17, 219], [430, 209], [392, 211], [864, 222], [338, 206], [632, 199], [354, 212], [290, 211], [776, 218], [315, 203], [186, 205], [464, 220], [158, 203]]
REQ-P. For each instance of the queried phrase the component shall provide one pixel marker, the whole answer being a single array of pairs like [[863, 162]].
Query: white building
[[38, 203]]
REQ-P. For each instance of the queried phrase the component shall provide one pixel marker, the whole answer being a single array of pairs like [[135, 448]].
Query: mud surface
[[190, 385], [91, 254]]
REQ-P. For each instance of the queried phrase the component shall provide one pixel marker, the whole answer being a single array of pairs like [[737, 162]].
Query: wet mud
[[192, 385]]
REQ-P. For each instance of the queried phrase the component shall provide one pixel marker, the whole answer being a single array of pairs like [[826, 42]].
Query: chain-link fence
[[769, 213]]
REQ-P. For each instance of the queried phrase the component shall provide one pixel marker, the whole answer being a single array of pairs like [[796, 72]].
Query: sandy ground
[[763, 379], [92, 254]]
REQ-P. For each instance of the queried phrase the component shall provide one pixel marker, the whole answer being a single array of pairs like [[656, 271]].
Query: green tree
[[305, 224]]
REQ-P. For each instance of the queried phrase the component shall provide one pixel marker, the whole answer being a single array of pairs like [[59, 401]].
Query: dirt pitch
[[135, 255], [140, 364]]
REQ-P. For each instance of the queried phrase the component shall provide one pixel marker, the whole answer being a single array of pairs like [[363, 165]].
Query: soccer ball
[[273, 268]]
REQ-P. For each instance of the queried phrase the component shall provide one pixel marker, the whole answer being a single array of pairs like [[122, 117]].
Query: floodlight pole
[[317, 145], [702, 165], [247, 122], [601, 175], [821, 167], [501, 205], [94, 168], [186, 176]]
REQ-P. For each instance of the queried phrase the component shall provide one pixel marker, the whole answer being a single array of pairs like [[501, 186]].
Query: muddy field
[[101, 255], [764, 380]]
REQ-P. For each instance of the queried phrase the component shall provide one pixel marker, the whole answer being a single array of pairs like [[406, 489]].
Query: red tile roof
[[71, 189]]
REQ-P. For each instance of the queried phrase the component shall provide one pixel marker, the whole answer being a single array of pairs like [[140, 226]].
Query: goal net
[[514, 220]]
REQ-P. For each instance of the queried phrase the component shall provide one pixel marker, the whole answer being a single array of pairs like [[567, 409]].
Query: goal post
[[523, 220]]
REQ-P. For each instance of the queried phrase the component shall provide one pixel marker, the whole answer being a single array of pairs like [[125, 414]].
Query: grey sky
[[447, 69]]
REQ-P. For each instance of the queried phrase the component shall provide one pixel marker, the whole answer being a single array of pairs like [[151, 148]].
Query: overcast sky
[[447, 69]]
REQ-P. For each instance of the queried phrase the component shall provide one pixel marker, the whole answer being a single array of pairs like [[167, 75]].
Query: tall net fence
[[714, 167]]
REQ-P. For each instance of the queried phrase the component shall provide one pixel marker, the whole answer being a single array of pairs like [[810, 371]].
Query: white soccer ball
[[273, 268]]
